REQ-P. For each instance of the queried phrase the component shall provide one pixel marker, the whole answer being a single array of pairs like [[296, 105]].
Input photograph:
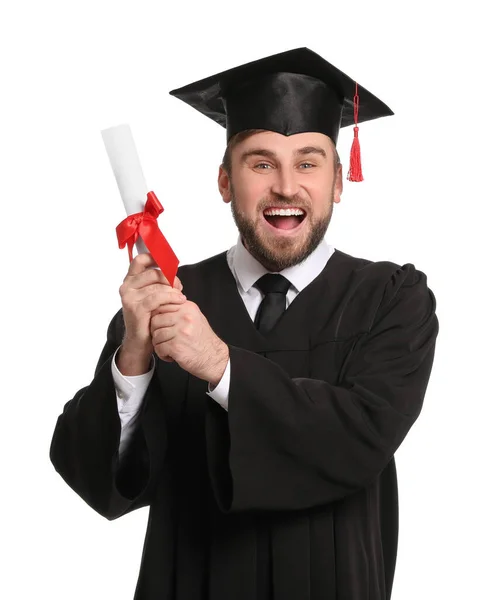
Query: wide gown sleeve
[[289, 444], [85, 443]]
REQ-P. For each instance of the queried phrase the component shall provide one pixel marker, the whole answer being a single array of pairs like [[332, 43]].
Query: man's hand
[[182, 333], [143, 291]]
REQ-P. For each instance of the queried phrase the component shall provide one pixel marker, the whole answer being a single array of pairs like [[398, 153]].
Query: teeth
[[283, 212]]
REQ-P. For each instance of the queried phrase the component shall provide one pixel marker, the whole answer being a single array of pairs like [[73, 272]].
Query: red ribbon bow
[[144, 224]]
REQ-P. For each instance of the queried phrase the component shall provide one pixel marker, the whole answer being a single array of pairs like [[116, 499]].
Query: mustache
[[281, 202]]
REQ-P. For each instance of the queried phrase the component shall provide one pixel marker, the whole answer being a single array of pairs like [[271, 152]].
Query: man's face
[[270, 173]]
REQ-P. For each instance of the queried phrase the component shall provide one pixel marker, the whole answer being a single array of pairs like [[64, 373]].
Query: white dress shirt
[[246, 270]]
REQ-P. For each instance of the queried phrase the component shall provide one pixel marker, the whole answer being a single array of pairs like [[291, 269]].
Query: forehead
[[283, 144]]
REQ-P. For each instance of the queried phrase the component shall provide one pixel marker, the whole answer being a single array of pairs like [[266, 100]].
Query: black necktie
[[273, 305]]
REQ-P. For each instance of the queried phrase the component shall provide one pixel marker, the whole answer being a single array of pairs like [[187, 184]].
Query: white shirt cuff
[[130, 390], [220, 393]]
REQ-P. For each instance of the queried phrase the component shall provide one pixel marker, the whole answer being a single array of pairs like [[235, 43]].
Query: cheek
[[322, 186], [321, 200], [248, 194]]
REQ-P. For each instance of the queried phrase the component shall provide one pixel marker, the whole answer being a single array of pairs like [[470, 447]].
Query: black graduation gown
[[292, 493]]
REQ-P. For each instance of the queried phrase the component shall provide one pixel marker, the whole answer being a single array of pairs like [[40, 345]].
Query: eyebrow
[[270, 154]]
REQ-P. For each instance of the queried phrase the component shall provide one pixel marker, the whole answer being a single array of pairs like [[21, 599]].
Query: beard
[[278, 253]]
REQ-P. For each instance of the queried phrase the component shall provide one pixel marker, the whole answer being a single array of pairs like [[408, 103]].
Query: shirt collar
[[248, 270]]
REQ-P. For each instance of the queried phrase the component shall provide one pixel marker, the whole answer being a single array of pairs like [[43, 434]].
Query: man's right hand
[[143, 291]]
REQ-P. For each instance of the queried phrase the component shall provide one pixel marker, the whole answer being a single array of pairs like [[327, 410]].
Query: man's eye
[[260, 165], [307, 165]]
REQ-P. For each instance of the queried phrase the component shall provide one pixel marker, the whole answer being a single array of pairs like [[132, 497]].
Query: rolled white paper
[[126, 166]]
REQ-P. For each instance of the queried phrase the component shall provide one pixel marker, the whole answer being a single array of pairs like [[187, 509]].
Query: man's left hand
[[183, 334]]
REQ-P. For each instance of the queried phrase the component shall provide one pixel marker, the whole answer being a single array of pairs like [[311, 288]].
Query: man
[[258, 414]]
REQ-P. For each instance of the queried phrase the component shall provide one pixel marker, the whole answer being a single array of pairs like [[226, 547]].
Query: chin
[[276, 255]]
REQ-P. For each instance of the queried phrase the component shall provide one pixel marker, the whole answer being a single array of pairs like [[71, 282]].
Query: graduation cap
[[292, 92]]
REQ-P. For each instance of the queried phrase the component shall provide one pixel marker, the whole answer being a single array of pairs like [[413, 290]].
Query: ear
[[338, 184], [224, 184]]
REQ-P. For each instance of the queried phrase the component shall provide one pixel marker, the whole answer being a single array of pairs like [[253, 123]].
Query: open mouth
[[285, 219]]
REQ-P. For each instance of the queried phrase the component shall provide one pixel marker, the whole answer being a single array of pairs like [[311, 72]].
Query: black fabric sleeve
[[289, 444], [85, 443]]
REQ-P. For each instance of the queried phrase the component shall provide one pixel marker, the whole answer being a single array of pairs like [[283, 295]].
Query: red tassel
[[355, 162]]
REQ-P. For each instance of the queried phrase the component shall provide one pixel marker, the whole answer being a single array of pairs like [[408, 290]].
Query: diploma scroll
[[140, 227], [128, 173]]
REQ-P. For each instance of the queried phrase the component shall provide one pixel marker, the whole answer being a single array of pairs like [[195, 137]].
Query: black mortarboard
[[292, 92]]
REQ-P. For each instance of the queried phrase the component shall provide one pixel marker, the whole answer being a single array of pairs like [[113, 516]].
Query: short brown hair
[[233, 142], [243, 135]]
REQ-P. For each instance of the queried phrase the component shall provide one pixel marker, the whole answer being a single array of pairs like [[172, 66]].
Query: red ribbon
[[144, 224]]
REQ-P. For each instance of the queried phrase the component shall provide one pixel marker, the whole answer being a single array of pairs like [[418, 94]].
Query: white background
[[431, 196]]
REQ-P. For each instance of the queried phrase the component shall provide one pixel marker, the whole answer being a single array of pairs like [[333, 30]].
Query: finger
[[141, 262], [171, 308], [167, 308], [169, 294], [163, 320], [178, 284], [132, 296], [145, 278], [153, 301], [163, 335], [166, 358], [163, 349]]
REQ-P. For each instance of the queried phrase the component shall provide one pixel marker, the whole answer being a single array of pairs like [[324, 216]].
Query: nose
[[285, 182]]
